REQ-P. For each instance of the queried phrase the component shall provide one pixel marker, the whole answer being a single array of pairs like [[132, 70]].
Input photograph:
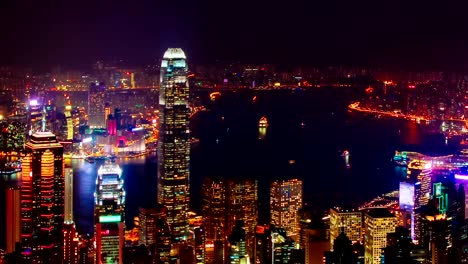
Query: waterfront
[[309, 133]]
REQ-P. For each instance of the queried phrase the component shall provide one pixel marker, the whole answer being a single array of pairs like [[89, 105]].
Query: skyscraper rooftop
[[174, 53]]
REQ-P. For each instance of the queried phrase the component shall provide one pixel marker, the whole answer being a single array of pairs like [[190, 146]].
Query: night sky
[[378, 33]]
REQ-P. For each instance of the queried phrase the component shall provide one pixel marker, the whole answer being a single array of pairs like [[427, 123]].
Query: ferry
[[263, 123]]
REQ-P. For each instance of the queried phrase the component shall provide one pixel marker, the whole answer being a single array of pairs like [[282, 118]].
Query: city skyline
[[231, 133]]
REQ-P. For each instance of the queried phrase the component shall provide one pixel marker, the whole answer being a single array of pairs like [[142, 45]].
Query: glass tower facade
[[174, 142], [109, 213]]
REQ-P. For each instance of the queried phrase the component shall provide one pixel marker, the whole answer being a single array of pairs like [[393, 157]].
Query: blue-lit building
[[109, 214]]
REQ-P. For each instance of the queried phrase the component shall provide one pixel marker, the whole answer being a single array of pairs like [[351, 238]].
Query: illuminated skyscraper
[[42, 200], [347, 220], [155, 233], [237, 244], [12, 227], [243, 206], [200, 245], [214, 208], [96, 105], [69, 121], [70, 238], [109, 214], [377, 223], [285, 202], [174, 142]]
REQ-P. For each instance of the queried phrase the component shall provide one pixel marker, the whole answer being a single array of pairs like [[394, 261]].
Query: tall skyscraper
[[155, 233], [377, 223], [69, 122], [109, 214], [12, 227], [285, 202], [214, 208], [200, 245], [237, 244], [96, 105], [345, 220], [42, 200], [243, 205], [70, 238], [174, 142]]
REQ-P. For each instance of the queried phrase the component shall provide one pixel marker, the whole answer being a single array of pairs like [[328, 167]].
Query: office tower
[[282, 245], [377, 223], [12, 227], [285, 202], [70, 247], [347, 220], [409, 200], [174, 142], [118, 118], [262, 244], [237, 244], [109, 214], [421, 171], [399, 247], [435, 229], [186, 254], [305, 224], [69, 122], [214, 208], [42, 199], [107, 112], [243, 205], [155, 233], [96, 105], [200, 245], [35, 114], [343, 251]]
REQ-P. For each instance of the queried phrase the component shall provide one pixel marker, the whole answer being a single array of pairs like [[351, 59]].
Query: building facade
[[214, 208], [174, 142], [96, 105], [347, 220], [377, 223], [42, 200], [155, 233], [285, 202], [109, 214]]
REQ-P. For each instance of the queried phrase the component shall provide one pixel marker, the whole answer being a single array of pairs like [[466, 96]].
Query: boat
[[263, 122], [401, 158]]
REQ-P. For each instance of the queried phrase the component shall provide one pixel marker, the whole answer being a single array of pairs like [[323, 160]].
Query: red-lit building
[[42, 200]]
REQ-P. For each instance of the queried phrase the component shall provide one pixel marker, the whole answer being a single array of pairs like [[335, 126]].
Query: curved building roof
[[174, 53]]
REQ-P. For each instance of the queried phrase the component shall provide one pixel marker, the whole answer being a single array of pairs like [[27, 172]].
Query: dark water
[[312, 128]]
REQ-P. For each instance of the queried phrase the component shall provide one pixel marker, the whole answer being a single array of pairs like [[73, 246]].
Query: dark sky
[[395, 33]]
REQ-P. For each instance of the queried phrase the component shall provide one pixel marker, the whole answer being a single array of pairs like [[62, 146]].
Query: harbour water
[[306, 136]]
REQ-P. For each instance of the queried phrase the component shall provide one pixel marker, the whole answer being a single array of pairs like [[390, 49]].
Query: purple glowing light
[[33, 102]]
